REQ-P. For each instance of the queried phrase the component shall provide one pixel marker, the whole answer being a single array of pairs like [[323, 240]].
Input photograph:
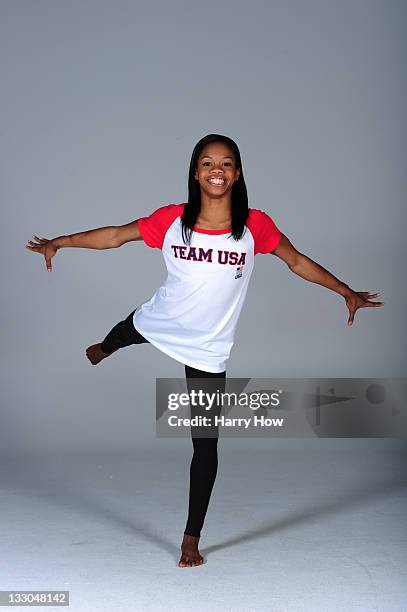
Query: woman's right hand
[[45, 247]]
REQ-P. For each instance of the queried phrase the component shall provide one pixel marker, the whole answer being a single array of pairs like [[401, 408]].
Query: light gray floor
[[292, 525]]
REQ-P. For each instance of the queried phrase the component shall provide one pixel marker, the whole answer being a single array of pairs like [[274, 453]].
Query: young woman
[[209, 245]]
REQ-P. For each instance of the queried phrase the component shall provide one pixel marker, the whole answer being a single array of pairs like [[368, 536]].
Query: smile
[[216, 181]]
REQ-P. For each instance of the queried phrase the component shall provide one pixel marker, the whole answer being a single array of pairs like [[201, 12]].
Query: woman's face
[[216, 170]]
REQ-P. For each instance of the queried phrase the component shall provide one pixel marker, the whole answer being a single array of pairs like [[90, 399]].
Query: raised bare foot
[[190, 556], [95, 354]]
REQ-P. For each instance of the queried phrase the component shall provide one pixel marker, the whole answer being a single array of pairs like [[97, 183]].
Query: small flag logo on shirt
[[239, 271]]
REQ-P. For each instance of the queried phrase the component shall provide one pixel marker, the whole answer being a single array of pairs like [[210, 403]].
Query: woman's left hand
[[360, 299]]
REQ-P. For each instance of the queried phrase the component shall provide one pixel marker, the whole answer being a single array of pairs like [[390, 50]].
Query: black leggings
[[204, 464]]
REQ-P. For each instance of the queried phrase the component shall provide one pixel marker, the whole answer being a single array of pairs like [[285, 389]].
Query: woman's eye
[[226, 163]]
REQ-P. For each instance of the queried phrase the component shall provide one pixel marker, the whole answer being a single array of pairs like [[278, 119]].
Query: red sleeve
[[265, 233], [154, 227]]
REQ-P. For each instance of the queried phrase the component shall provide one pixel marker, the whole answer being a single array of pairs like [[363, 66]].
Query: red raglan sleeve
[[154, 227], [265, 232]]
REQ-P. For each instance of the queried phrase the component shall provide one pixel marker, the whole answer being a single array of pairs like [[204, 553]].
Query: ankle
[[103, 351], [190, 538]]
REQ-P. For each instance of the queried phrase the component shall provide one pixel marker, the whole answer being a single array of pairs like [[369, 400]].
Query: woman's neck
[[215, 214]]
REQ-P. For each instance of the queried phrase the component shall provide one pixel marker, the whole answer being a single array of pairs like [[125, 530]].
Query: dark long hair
[[240, 205]]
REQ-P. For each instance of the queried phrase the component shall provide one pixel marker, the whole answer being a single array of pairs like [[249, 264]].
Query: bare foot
[[190, 556], [95, 354]]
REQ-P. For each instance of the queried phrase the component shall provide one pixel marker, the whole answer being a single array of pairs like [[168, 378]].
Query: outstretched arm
[[310, 270], [109, 237]]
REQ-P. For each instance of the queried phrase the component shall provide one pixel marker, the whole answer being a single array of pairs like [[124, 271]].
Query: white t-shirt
[[193, 315]]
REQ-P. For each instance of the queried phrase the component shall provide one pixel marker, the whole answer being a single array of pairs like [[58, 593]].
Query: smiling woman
[[216, 173], [209, 246]]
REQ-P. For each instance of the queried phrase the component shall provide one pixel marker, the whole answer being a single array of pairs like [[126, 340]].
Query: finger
[[367, 303], [351, 317], [48, 264]]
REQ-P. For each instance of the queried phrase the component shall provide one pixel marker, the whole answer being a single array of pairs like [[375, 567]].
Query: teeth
[[217, 181]]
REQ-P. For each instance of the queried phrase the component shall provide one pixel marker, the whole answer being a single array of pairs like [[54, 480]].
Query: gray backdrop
[[101, 106]]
